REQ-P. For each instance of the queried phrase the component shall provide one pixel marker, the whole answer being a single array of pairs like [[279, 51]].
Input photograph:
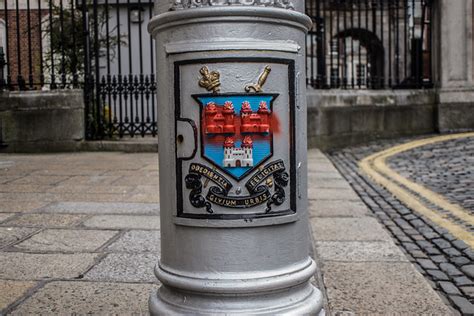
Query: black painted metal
[[100, 46], [370, 44]]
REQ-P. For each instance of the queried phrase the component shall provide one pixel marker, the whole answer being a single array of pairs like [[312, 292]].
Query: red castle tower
[[264, 117], [255, 122], [219, 122], [229, 114], [247, 142]]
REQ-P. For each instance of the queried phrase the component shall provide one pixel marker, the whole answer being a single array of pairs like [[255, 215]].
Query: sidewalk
[[361, 269], [79, 233]]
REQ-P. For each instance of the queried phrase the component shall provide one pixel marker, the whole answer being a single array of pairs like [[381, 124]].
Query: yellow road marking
[[376, 168]]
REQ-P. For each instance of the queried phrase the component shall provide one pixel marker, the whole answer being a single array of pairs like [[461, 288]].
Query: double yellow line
[[409, 192]]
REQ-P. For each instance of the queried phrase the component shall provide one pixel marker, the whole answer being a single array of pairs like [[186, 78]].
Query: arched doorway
[[363, 55]]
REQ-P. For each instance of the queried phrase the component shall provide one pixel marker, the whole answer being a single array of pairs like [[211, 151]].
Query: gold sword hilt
[[258, 87]]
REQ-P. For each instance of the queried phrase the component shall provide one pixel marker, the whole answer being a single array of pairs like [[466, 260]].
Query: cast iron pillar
[[233, 174]]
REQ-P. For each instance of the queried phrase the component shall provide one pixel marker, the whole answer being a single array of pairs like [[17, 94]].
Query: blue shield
[[237, 131]]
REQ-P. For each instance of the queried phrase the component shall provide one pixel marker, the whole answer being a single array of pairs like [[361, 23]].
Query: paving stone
[[137, 241], [26, 266], [102, 208], [410, 246], [332, 194], [463, 281], [418, 254], [418, 238], [449, 288], [432, 251], [426, 264], [32, 188], [20, 206], [403, 210], [66, 240], [417, 223], [441, 243], [460, 261], [452, 252], [439, 259], [37, 179], [450, 269], [463, 305], [316, 154], [449, 237], [325, 208], [410, 231], [123, 267], [88, 298], [322, 176], [468, 270], [5, 216], [424, 244], [438, 275], [403, 238], [123, 221], [380, 288], [10, 235], [27, 197], [410, 217], [430, 235], [326, 184], [468, 252], [402, 223], [359, 251], [46, 220], [468, 290], [459, 244], [440, 230], [10, 291], [350, 229]]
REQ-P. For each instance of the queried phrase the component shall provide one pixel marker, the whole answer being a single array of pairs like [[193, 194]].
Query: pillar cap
[[176, 5], [231, 13]]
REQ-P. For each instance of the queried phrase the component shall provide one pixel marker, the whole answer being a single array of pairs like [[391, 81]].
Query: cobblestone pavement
[[79, 233], [445, 168]]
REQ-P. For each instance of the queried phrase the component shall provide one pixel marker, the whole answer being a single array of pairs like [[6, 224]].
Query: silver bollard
[[233, 173]]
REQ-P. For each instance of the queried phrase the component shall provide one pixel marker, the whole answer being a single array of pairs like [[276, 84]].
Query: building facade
[[375, 68]]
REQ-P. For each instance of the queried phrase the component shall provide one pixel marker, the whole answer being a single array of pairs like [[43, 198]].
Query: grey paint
[[233, 266]]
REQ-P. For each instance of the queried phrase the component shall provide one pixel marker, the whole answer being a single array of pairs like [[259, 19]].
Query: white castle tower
[[238, 157]]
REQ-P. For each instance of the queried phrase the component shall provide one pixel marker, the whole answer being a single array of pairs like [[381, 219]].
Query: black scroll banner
[[216, 196], [259, 194], [212, 175], [262, 175]]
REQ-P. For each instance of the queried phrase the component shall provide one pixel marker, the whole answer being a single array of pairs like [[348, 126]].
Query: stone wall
[[40, 121], [44, 121], [338, 118], [456, 110]]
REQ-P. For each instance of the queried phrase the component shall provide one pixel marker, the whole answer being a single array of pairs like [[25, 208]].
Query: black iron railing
[[100, 46], [360, 44]]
